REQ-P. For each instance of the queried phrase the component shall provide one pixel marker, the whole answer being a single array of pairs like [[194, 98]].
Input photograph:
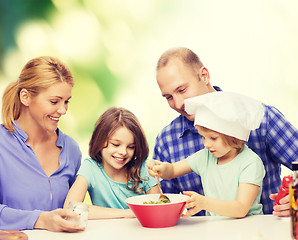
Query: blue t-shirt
[[222, 181], [104, 191]]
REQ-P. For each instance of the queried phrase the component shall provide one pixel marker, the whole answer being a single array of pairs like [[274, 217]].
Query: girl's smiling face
[[49, 105], [119, 151]]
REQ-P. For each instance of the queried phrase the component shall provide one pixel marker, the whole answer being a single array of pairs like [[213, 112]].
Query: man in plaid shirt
[[180, 75]]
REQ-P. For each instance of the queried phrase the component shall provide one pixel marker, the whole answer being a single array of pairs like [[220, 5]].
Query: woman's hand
[[283, 209], [56, 221], [193, 204]]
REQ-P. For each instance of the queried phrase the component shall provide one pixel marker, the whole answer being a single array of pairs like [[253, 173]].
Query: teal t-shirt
[[104, 191], [221, 181]]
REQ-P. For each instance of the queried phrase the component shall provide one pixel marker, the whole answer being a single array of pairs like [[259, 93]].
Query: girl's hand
[[282, 210], [193, 204], [56, 221], [154, 169]]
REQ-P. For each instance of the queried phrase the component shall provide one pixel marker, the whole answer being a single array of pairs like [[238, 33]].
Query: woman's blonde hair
[[236, 143], [38, 74]]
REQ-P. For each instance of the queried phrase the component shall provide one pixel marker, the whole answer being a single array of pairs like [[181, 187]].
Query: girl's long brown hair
[[106, 125]]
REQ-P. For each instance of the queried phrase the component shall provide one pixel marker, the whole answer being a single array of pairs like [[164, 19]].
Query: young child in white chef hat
[[231, 173]]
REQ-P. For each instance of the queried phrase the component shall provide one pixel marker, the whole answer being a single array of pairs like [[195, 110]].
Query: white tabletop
[[258, 227]]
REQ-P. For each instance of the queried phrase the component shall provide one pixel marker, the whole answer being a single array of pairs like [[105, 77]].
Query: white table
[[258, 227]]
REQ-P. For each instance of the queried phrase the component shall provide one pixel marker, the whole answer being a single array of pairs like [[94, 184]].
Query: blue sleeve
[[17, 219], [86, 171], [282, 138], [253, 171], [198, 161], [75, 157]]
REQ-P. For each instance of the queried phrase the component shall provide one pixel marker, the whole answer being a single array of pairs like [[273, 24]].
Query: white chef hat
[[229, 113]]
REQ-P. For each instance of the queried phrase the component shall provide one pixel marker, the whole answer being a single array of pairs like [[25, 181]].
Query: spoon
[[162, 197]]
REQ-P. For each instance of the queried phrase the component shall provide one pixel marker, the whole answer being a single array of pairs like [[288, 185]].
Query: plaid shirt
[[275, 141]]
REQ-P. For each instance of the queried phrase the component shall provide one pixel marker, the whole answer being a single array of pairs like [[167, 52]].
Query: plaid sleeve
[[282, 138]]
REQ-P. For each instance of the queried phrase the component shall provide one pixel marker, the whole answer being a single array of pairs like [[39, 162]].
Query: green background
[[112, 48]]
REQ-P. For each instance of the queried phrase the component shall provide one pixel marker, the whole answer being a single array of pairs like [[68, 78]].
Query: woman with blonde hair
[[38, 163]]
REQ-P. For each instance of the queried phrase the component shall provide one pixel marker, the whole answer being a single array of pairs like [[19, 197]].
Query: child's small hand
[[153, 167], [160, 169], [193, 204]]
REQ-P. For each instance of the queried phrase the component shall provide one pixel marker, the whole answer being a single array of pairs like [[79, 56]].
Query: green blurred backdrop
[[112, 48]]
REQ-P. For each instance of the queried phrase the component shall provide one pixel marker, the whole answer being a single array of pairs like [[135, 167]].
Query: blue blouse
[[25, 189]]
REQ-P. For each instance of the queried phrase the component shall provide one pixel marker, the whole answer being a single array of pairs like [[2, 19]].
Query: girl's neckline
[[111, 179]]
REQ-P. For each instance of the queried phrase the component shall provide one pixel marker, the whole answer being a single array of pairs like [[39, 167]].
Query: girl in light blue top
[[116, 168]]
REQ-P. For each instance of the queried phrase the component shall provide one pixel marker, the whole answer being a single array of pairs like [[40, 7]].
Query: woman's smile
[[54, 118]]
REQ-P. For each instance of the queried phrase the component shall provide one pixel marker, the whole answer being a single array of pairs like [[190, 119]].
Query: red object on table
[[284, 189]]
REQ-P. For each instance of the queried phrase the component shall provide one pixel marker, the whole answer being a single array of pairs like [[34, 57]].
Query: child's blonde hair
[[229, 140]]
